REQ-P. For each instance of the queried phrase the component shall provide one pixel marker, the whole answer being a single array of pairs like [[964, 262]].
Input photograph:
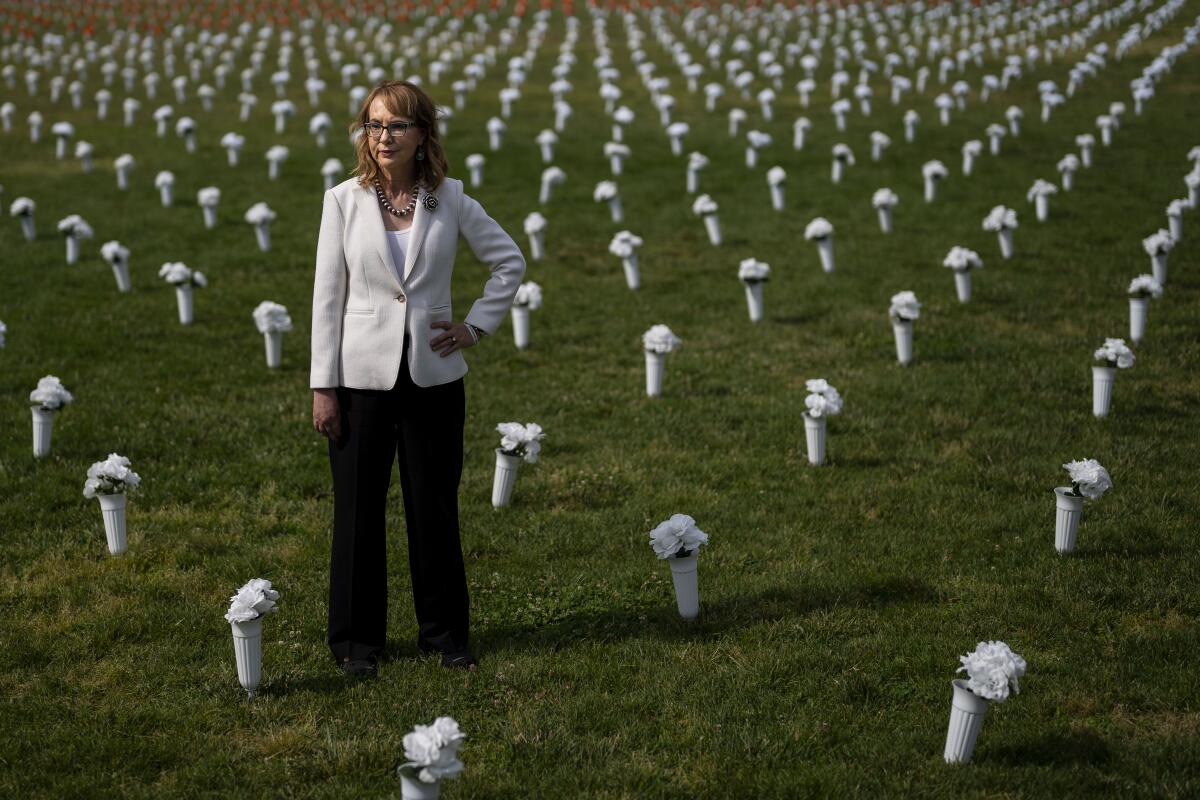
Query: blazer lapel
[[368, 207], [420, 226]]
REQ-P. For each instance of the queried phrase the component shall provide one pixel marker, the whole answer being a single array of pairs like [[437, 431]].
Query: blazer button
[[400, 298]]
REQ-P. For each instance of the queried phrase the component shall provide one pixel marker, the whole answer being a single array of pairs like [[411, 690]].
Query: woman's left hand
[[456, 337]]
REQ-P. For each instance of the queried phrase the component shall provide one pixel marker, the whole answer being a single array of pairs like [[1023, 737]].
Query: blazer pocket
[[360, 312]]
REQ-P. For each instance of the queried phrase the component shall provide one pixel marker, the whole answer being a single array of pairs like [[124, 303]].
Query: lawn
[[836, 600]]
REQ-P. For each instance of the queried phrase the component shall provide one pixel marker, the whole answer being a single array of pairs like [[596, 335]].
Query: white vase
[[633, 278], [1175, 226], [274, 345], [754, 300], [28, 228], [1067, 509], [247, 651], [414, 789], [520, 323], [693, 181], [504, 479], [814, 435], [112, 506], [687, 587], [183, 298], [1067, 181], [751, 157], [930, 190], [72, 249], [1005, 237], [825, 250], [121, 273], [166, 196], [536, 248], [1138, 307], [210, 216], [712, 225], [654, 372], [615, 210], [962, 284], [615, 163], [43, 427], [885, 219], [1102, 389], [903, 330], [967, 711], [835, 171], [262, 235], [1158, 265], [777, 197], [1041, 206]]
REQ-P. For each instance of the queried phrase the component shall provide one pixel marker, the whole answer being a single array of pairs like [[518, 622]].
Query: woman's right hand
[[327, 417]]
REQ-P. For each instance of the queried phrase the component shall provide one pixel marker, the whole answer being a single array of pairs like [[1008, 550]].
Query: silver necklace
[[403, 212]]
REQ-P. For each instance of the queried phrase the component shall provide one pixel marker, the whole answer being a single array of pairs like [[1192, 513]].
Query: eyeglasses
[[396, 130]]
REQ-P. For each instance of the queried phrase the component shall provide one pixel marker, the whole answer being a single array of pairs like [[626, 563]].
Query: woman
[[387, 370]]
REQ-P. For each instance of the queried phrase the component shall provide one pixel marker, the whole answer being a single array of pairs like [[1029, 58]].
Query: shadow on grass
[[1055, 750], [716, 618]]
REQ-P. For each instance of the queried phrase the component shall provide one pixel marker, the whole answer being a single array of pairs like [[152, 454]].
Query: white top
[[398, 242]]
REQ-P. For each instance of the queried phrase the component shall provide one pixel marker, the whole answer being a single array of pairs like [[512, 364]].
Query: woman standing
[[387, 371]]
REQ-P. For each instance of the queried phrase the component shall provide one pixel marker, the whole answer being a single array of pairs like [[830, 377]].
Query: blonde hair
[[406, 100]]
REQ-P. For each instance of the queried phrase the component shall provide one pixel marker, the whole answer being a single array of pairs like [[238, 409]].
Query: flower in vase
[[534, 223], [624, 243], [259, 214], [1157, 244], [604, 191], [22, 207], [904, 307], [1144, 286], [660, 339], [271, 317], [823, 400], [111, 476], [884, 198], [677, 537], [114, 252], [523, 441], [252, 601], [704, 205], [818, 229], [1088, 478], [179, 274], [992, 670], [75, 225], [961, 259], [1000, 218], [432, 751], [752, 270], [1115, 353], [50, 394], [529, 295]]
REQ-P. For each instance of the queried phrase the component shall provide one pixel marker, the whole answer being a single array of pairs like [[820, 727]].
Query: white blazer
[[362, 310]]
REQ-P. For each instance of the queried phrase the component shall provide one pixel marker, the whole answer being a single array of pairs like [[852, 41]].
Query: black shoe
[[358, 667], [460, 660]]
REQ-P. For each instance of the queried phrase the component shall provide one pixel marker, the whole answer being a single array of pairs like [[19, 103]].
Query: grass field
[[835, 600]]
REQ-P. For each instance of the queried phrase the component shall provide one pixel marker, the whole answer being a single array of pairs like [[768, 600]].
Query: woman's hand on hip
[[327, 416], [455, 336]]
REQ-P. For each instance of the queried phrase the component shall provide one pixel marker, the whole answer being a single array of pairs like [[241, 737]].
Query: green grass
[[835, 600]]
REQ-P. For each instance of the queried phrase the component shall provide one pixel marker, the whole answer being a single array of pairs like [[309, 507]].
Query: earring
[[420, 154]]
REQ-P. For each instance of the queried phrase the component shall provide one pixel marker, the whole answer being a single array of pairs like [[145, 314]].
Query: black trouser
[[424, 427]]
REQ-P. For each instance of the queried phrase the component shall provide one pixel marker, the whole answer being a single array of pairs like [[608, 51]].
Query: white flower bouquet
[[961, 259], [1141, 290], [551, 177], [775, 180], [432, 754], [932, 172], [108, 481], [208, 198], [117, 257], [111, 476], [843, 157], [903, 310], [50, 394], [993, 670], [606, 192], [517, 442], [1114, 354], [657, 342], [1002, 221], [528, 298], [22, 208], [820, 230], [679, 540], [884, 200], [753, 274], [696, 163], [1157, 245], [261, 216], [1088, 479], [822, 402], [475, 163], [74, 228], [1039, 194], [179, 274], [706, 208], [247, 608], [271, 317], [624, 246], [535, 229]]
